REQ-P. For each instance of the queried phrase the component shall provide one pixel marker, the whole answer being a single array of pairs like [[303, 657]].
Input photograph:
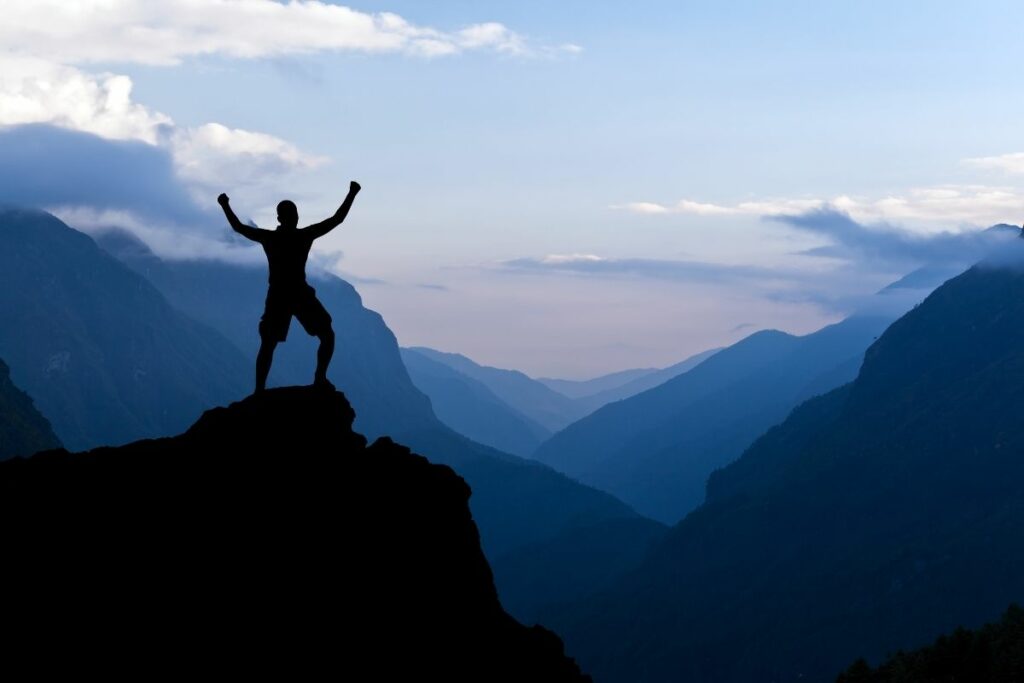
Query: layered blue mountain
[[102, 353], [471, 409], [269, 538], [656, 449], [23, 430], [640, 383], [873, 519], [588, 387], [548, 408]]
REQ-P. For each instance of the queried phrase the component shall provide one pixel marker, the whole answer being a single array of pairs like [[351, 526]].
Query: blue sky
[[645, 137]]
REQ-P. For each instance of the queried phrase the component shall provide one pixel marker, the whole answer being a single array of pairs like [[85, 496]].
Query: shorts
[[302, 303]]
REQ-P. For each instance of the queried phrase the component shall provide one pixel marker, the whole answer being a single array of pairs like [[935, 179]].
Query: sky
[[565, 188]]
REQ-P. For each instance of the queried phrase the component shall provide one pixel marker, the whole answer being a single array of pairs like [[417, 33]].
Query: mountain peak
[[269, 528]]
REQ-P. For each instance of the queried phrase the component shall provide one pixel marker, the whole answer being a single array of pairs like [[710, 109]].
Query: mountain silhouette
[[655, 450], [104, 356], [267, 537], [470, 408], [873, 519], [23, 430]]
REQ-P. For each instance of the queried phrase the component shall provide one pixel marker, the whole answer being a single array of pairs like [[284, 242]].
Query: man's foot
[[323, 383]]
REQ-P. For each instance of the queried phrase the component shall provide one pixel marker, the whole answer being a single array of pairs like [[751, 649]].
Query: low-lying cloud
[[882, 245]]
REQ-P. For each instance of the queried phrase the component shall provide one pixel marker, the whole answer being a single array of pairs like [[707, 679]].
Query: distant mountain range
[[643, 382], [507, 409], [588, 387], [548, 408], [873, 519], [470, 408], [656, 449]]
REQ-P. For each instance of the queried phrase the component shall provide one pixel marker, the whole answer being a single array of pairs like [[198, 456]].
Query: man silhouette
[[289, 294]]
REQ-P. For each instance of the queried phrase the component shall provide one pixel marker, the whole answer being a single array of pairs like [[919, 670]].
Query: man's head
[[287, 214]]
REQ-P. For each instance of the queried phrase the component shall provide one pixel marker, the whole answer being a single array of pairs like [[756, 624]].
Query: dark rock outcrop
[[267, 537]]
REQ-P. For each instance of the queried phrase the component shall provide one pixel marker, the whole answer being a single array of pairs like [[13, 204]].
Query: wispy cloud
[[951, 205], [661, 269], [169, 31], [1008, 163]]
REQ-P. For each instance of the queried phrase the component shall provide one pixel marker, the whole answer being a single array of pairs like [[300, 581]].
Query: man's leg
[[312, 315], [263, 360], [324, 354]]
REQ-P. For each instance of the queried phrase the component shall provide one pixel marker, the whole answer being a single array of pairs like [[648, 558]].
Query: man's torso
[[287, 252]]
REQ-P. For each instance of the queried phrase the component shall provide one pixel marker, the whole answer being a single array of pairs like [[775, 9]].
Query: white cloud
[[565, 259], [210, 153], [168, 31], [1009, 163], [492, 35], [977, 205], [36, 91]]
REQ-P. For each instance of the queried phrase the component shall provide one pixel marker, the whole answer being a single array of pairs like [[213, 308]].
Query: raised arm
[[247, 231], [323, 227]]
